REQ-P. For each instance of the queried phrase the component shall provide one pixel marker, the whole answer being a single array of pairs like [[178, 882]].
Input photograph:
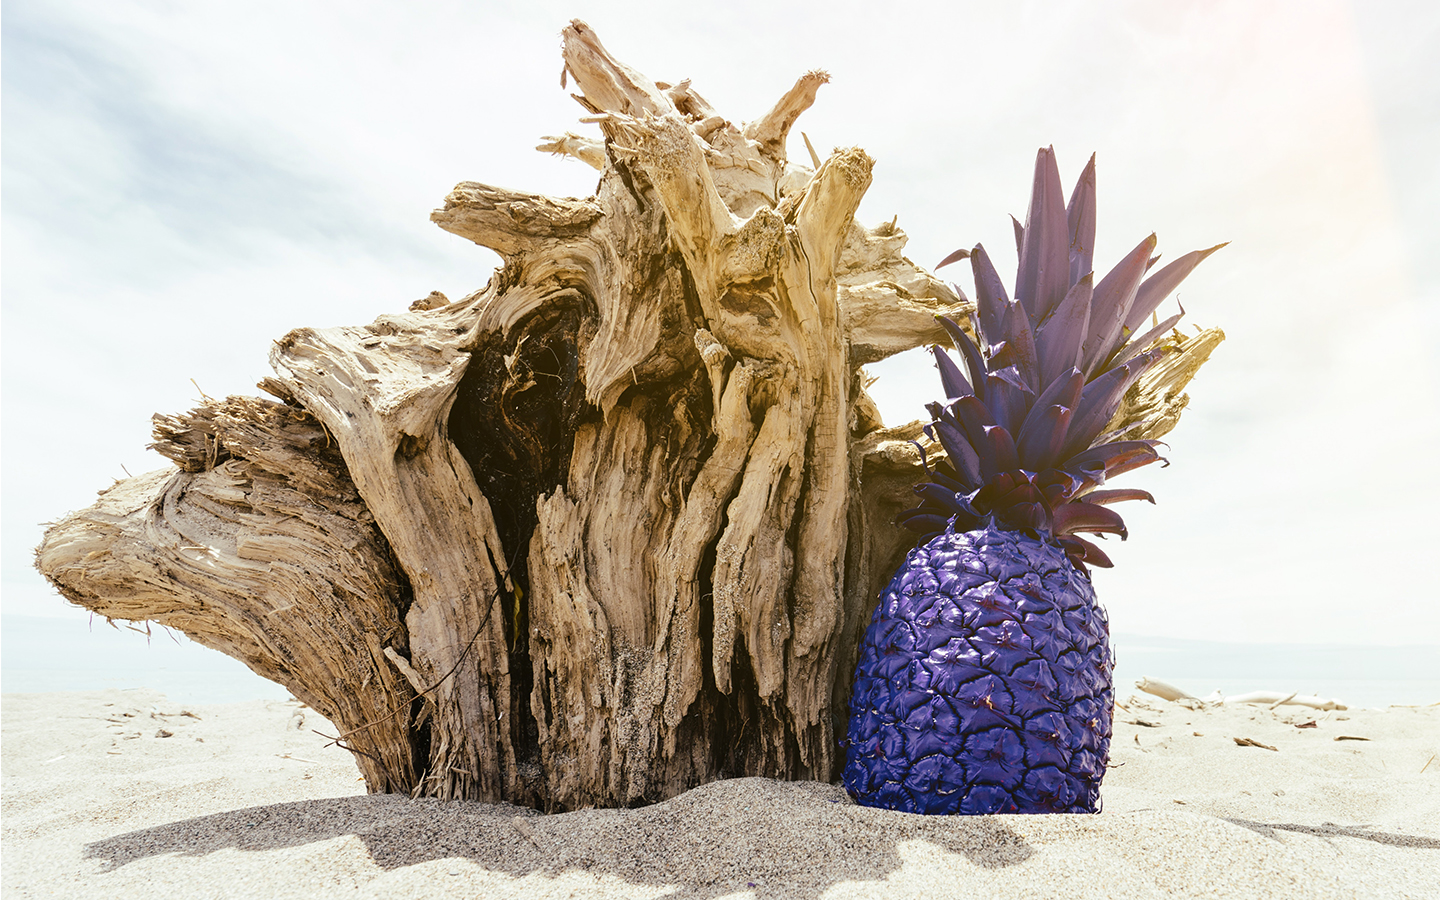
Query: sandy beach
[[124, 794]]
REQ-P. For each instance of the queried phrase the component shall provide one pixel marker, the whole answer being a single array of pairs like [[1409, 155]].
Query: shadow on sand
[[737, 845]]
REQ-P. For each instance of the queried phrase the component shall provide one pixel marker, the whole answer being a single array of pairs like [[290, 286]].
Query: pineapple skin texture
[[983, 683]]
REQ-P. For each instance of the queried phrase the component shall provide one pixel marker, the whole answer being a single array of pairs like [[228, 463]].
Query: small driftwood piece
[[1163, 689], [602, 531], [1275, 699]]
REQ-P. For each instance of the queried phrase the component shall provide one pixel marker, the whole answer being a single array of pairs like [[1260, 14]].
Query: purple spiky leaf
[[1026, 515], [1111, 303], [1073, 549], [1019, 234], [1097, 405], [1057, 486], [991, 300], [1089, 468], [1043, 436], [942, 472], [1089, 474], [944, 475], [1020, 344], [1143, 342], [1119, 434], [953, 257], [1101, 398], [996, 492], [1063, 391], [1044, 273], [1055, 494], [1117, 495], [1060, 337], [951, 378], [920, 448], [1091, 555], [974, 418], [1132, 461], [1158, 286], [1021, 491], [937, 495], [974, 362], [1080, 217], [1008, 397], [1088, 517], [1015, 501], [1001, 355], [927, 523], [1108, 460], [962, 456], [1002, 448]]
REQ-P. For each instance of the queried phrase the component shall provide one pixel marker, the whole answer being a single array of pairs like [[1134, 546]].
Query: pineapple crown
[[1026, 424]]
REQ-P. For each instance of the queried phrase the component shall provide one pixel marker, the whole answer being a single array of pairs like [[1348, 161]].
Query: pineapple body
[[983, 683]]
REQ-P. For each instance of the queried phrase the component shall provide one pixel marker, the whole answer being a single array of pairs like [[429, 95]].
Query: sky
[[184, 182]]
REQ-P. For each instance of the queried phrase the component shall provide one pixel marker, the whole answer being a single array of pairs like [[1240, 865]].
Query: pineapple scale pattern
[[983, 684]]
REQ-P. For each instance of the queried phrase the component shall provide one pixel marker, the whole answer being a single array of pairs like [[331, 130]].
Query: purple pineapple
[[984, 678]]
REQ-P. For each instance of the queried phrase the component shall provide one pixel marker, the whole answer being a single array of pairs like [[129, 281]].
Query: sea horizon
[[41, 654]]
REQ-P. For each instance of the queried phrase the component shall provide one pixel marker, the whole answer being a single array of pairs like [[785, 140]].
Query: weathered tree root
[[602, 531]]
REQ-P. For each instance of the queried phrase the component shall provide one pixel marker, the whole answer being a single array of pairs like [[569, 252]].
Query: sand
[[124, 794]]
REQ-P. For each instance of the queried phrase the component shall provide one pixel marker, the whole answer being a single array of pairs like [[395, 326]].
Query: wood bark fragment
[[1152, 406], [258, 546]]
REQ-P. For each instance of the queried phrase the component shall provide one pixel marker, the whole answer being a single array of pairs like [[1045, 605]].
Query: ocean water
[[42, 654], [1369, 677], [39, 654]]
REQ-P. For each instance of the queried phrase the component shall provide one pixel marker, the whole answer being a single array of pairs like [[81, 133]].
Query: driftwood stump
[[602, 531]]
